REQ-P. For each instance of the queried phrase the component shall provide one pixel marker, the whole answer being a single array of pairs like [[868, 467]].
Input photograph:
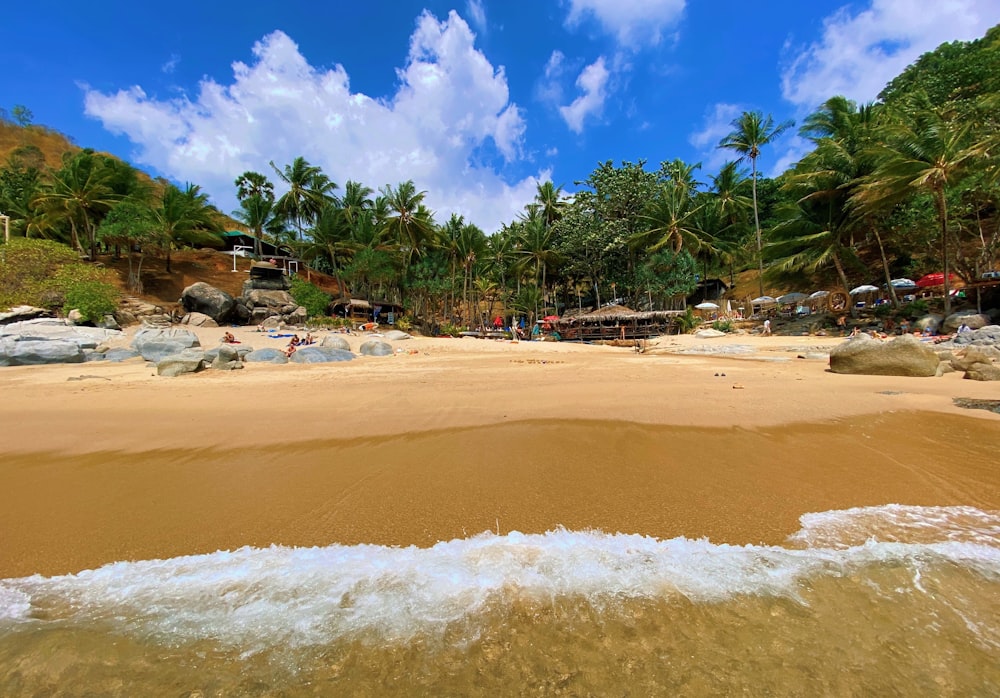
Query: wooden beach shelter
[[616, 322]]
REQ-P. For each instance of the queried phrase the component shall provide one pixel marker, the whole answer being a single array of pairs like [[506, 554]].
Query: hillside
[[38, 145]]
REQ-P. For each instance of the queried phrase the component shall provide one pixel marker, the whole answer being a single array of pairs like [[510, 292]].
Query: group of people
[[295, 342]]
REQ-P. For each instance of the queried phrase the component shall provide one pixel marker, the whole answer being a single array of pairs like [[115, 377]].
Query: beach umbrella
[[706, 306], [933, 279], [903, 283], [819, 294], [793, 297], [867, 288], [763, 300], [550, 318]]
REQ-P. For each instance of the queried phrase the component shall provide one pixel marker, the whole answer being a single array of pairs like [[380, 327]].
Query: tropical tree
[[182, 213], [309, 190], [79, 194], [923, 150], [408, 222], [131, 225], [252, 183], [751, 132], [670, 221], [551, 200]]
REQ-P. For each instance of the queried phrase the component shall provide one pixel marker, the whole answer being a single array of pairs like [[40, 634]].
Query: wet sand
[[109, 462]]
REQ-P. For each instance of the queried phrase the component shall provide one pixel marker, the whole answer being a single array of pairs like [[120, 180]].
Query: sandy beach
[[451, 437]]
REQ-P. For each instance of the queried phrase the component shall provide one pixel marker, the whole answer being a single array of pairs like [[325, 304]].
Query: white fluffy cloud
[[592, 81], [859, 52], [631, 22], [716, 125], [450, 102]]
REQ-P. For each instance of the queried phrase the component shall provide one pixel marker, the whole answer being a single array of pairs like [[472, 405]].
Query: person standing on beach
[[767, 328]]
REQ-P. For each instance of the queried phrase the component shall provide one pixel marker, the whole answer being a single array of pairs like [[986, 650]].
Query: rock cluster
[[263, 302], [49, 341]]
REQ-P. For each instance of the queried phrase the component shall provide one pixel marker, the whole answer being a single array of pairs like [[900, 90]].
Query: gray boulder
[[187, 361], [276, 300], [376, 347], [320, 355], [198, 320], [23, 312], [708, 333], [227, 358], [266, 356], [203, 298], [20, 351], [974, 320], [932, 322], [396, 336], [120, 354], [76, 317], [988, 335], [903, 356], [155, 344], [975, 355], [298, 316], [333, 341], [56, 328], [983, 372]]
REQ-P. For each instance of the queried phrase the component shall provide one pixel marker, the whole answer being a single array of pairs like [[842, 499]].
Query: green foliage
[[94, 299], [450, 329], [723, 325], [403, 323], [26, 266], [668, 274], [688, 321], [311, 297], [915, 309]]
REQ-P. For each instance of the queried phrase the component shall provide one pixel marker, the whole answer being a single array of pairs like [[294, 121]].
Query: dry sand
[[450, 437]]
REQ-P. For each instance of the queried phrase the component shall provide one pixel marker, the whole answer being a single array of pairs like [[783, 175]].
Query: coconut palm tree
[[408, 223], [923, 150], [256, 212], [181, 213], [670, 221], [751, 132], [253, 184], [551, 200], [79, 194], [309, 190]]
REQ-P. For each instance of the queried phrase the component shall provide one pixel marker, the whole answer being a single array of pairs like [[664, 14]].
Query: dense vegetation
[[899, 187]]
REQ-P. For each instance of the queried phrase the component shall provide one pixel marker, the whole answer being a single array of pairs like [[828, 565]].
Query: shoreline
[[109, 462]]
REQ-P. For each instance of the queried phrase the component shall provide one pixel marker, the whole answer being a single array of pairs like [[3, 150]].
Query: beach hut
[[616, 322]]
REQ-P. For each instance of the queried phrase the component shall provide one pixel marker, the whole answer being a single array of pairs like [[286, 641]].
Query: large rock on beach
[[983, 372], [203, 298], [187, 361], [903, 356], [227, 358], [396, 336], [320, 355], [708, 333], [198, 320], [376, 347], [333, 341], [266, 356], [155, 344], [974, 320], [17, 351], [23, 312], [274, 299], [120, 354], [984, 336], [975, 355]]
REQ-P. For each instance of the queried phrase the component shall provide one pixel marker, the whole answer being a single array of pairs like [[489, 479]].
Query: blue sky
[[477, 101]]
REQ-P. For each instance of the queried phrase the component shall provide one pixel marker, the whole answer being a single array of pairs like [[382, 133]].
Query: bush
[[26, 270], [915, 309], [449, 329], [403, 324], [85, 288], [723, 325], [310, 297], [688, 321]]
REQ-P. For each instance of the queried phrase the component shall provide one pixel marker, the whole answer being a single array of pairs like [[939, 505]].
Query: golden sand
[[450, 437]]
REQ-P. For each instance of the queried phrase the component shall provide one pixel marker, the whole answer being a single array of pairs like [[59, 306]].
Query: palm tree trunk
[[943, 215], [843, 280], [756, 222], [885, 268]]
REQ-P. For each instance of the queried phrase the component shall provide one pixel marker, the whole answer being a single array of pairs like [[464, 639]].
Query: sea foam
[[255, 599]]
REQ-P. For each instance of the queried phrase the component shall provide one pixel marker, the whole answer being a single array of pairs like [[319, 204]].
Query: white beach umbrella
[[707, 306], [819, 294], [764, 300], [903, 283], [793, 297], [867, 288]]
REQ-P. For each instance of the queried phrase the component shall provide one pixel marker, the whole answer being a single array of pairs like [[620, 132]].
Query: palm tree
[[751, 132], [923, 151], [408, 222], [182, 213], [732, 207], [551, 200], [670, 220], [355, 199], [79, 194], [253, 184], [331, 238], [536, 249], [309, 190], [256, 212]]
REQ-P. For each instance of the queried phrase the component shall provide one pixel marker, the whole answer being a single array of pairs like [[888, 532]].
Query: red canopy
[[934, 279], [550, 318]]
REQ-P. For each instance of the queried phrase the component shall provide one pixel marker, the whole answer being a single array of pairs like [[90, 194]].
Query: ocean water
[[882, 601]]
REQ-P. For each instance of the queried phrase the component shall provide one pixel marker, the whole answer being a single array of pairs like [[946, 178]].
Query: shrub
[[310, 297], [915, 309], [404, 324], [450, 329], [26, 268], [688, 321], [85, 288], [723, 325]]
